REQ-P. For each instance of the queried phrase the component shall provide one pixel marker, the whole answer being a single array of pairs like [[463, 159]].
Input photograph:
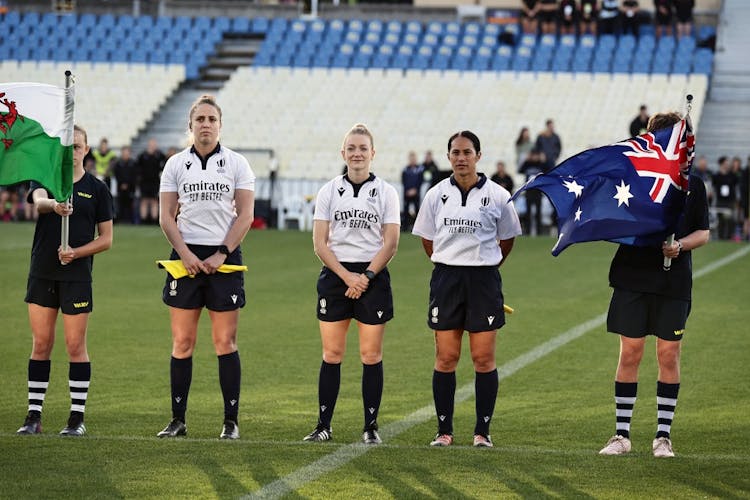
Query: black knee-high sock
[[444, 391], [79, 378], [485, 390], [666, 401], [328, 391], [230, 376], [625, 396], [38, 382], [372, 392], [181, 374]]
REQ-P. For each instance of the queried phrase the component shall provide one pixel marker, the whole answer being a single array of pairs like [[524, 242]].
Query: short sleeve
[[392, 212], [168, 182], [105, 204], [323, 203], [424, 225], [244, 177]]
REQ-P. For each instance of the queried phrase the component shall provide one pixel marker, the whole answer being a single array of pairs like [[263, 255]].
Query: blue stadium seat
[[453, 28], [442, 58], [473, 28], [372, 38], [322, 60], [361, 61], [431, 39], [353, 37], [560, 65], [491, 29], [164, 22], [626, 42], [356, 25], [375, 26], [661, 65], [341, 61], [706, 32], [450, 41], [145, 22], [402, 59], [423, 58], [202, 23], [435, 28], [283, 59], [391, 38], [549, 41], [411, 39], [258, 25], [394, 27], [280, 24], [489, 41], [221, 23], [522, 59], [482, 59], [568, 41], [462, 59], [414, 27], [302, 60], [621, 66], [383, 58], [469, 40], [528, 40]]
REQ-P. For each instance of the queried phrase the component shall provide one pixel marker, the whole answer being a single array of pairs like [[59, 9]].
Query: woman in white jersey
[[467, 226], [206, 208], [355, 235]]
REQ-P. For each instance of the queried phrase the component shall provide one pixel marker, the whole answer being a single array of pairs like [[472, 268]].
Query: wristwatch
[[369, 274], [223, 249]]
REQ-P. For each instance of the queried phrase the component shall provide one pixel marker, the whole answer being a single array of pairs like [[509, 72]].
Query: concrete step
[[231, 62], [216, 73], [210, 85]]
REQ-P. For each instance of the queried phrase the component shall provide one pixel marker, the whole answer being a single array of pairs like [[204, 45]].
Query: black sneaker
[[31, 425], [175, 428], [371, 436], [319, 435], [75, 427], [230, 430]]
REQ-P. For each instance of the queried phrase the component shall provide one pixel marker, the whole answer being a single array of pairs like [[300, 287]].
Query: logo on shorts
[[380, 314], [490, 319], [173, 288], [679, 332], [234, 298], [323, 306], [79, 305], [178, 399], [434, 312], [444, 198]]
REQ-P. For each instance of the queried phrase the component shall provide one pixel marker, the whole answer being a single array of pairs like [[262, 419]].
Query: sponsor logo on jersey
[[84, 195], [188, 164], [356, 218], [205, 191], [460, 225], [79, 305], [444, 198]]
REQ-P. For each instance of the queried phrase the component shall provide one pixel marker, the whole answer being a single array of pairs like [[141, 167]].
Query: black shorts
[[374, 307], [71, 297], [216, 292], [466, 298], [636, 315]]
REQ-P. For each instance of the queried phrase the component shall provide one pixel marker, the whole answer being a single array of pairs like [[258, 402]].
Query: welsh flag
[[36, 136]]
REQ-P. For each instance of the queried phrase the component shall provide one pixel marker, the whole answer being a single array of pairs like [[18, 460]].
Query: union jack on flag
[[630, 192]]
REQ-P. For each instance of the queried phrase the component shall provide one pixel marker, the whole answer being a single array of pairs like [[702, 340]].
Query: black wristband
[[224, 249], [369, 274]]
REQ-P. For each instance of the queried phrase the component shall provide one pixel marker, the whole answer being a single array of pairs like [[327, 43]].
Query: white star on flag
[[573, 187], [623, 194], [578, 213]]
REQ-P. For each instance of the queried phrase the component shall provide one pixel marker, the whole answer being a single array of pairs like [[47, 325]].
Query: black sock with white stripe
[[444, 391], [38, 383], [485, 390], [666, 402], [79, 378], [372, 393], [230, 376], [180, 375], [328, 392], [625, 395]]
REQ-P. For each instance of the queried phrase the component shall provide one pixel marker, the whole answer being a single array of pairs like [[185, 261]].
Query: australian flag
[[631, 192]]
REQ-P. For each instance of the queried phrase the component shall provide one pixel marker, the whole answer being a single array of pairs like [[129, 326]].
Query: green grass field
[[553, 413]]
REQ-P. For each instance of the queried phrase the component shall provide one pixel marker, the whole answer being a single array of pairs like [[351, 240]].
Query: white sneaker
[[662, 447], [617, 445]]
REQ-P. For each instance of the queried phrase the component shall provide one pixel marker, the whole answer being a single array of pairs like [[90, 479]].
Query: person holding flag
[[651, 297], [60, 280]]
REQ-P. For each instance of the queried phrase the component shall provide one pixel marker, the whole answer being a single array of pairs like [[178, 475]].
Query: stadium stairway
[[234, 50], [724, 123]]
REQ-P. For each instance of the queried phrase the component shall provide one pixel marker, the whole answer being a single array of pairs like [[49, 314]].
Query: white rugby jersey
[[356, 214], [206, 192], [465, 228]]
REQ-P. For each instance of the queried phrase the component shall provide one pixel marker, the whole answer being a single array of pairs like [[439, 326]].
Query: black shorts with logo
[[374, 307], [71, 297], [637, 314], [466, 297], [216, 292]]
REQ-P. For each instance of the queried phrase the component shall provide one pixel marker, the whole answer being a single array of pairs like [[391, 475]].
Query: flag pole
[[667, 264], [65, 226]]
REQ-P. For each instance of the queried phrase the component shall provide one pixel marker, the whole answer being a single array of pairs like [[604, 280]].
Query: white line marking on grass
[[349, 452]]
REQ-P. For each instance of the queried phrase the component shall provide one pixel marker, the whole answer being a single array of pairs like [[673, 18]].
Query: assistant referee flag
[[36, 136]]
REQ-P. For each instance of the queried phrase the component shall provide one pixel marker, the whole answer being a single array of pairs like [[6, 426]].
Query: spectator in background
[[640, 122], [148, 171], [430, 166], [412, 178], [567, 15], [124, 170], [548, 16], [588, 14], [745, 199], [609, 17], [533, 165], [9, 203], [529, 16], [501, 176], [630, 20], [684, 14], [103, 158], [548, 142], [725, 190], [523, 146], [701, 170], [735, 167], [663, 17]]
